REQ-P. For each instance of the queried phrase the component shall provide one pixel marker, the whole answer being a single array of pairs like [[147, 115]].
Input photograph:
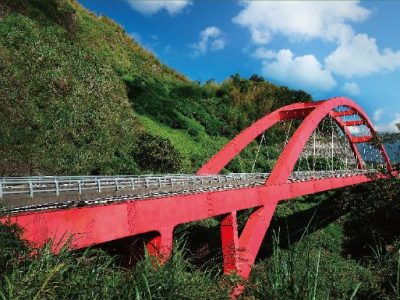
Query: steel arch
[[311, 112], [97, 224], [287, 160], [250, 240]]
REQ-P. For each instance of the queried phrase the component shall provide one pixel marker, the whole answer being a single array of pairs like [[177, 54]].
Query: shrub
[[374, 210], [156, 154], [306, 271], [12, 248]]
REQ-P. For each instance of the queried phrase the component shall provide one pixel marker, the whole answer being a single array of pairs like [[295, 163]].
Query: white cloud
[[150, 7], [351, 88], [391, 126], [304, 72], [356, 54], [167, 49], [356, 130], [263, 53], [360, 56], [212, 38], [327, 20], [377, 114]]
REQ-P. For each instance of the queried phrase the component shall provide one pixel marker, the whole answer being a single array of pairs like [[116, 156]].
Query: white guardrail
[[58, 185], [80, 184]]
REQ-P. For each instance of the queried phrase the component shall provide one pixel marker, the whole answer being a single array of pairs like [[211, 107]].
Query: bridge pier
[[252, 236], [160, 246], [230, 243], [239, 253]]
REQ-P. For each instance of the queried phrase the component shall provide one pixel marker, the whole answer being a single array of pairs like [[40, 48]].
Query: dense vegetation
[[79, 96], [337, 245]]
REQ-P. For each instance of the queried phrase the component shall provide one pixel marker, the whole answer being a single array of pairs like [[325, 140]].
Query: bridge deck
[[42, 193], [103, 222], [92, 210]]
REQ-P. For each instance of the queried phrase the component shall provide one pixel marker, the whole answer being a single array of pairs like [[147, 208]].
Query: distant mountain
[[393, 150]]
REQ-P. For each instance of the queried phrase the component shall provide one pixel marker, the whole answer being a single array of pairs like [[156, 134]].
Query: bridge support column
[[230, 243], [239, 253], [160, 246], [252, 236]]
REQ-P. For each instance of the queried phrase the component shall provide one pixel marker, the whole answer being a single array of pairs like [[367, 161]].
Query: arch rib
[[293, 111], [287, 160], [235, 146], [352, 144], [252, 234]]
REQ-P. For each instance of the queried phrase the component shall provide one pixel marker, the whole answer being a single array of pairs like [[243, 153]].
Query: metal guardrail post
[[57, 187], [133, 184], [30, 189], [99, 185], [79, 187], [116, 185], [1, 190]]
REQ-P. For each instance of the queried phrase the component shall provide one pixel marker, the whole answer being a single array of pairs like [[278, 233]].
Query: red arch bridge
[[326, 147]]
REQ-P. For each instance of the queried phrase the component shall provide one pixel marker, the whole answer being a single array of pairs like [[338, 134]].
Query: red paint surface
[[98, 224]]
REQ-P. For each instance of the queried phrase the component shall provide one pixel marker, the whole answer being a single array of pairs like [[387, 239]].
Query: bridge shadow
[[292, 228], [200, 240], [127, 252], [203, 242]]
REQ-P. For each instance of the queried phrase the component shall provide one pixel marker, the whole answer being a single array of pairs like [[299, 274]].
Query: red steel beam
[[236, 145], [361, 139], [354, 123], [343, 113], [98, 224], [319, 111], [352, 145], [260, 219], [287, 160]]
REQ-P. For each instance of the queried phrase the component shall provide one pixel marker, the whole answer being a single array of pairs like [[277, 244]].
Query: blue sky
[[328, 48]]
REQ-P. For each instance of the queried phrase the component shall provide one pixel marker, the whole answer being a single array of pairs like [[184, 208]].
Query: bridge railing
[[57, 185], [310, 175], [80, 184]]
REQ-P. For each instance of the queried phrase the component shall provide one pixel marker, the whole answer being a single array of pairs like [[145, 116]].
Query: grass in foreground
[[317, 265]]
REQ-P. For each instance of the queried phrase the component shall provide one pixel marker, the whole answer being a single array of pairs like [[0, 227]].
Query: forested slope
[[79, 96]]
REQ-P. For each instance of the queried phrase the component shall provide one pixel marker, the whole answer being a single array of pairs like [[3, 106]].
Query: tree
[[256, 78], [157, 154]]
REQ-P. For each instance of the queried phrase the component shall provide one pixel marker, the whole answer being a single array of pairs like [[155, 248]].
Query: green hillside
[[79, 96]]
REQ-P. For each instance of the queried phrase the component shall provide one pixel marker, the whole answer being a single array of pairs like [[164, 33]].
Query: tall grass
[[94, 274], [177, 279], [386, 261], [313, 266], [307, 270]]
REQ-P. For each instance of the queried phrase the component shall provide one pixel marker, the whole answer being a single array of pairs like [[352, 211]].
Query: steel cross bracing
[[107, 208]]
